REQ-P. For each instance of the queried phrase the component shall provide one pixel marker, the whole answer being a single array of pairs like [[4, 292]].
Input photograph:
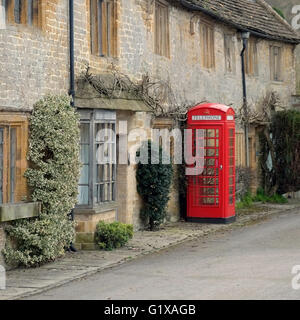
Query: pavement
[[23, 283]]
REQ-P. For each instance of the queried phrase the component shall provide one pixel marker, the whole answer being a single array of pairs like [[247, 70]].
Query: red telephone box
[[211, 185]]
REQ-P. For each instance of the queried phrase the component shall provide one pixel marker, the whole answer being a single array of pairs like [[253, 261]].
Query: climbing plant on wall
[[53, 178], [281, 172]]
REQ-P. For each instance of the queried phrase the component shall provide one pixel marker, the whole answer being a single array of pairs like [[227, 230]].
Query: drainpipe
[[71, 40], [245, 37], [72, 85]]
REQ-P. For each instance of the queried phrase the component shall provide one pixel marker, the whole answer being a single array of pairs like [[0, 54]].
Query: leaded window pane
[[105, 157], [83, 189], [98, 155]]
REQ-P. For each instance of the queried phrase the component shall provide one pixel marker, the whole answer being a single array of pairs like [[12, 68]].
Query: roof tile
[[255, 16]]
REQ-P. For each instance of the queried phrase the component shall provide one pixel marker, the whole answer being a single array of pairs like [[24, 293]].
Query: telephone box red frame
[[211, 194]]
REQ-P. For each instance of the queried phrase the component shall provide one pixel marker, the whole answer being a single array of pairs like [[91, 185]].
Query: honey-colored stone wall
[[86, 226], [35, 61]]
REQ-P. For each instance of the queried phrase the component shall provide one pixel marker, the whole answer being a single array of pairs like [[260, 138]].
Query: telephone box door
[[205, 189]]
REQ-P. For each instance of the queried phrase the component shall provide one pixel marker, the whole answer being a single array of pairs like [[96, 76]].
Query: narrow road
[[253, 262]]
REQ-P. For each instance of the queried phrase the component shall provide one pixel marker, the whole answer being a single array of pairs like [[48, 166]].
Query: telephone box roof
[[217, 106]]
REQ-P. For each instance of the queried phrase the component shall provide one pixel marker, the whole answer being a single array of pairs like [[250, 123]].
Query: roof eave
[[194, 7]]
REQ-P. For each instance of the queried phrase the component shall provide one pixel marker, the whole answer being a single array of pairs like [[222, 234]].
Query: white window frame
[[106, 120]]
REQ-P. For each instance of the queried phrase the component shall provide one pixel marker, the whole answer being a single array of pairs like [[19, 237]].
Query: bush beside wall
[[113, 235], [53, 179]]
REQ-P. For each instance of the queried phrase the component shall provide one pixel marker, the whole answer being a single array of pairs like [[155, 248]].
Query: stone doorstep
[[85, 237], [67, 270]]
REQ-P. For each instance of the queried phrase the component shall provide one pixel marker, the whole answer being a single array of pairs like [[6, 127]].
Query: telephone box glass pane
[[210, 143]]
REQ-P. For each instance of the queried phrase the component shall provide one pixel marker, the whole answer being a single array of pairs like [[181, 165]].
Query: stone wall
[[286, 7], [35, 62], [2, 243], [190, 81], [86, 226]]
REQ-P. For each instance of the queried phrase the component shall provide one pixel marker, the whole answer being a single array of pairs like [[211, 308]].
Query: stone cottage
[[291, 12], [192, 46]]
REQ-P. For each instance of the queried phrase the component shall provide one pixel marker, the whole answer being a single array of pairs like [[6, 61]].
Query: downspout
[[245, 37], [72, 85], [71, 40]]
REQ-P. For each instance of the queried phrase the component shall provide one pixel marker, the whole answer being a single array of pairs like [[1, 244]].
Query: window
[[251, 63], [103, 27], [231, 175], [13, 148], [97, 184], [23, 12], [229, 49], [207, 40], [1, 163], [161, 36], [2, 14], [275, 63]]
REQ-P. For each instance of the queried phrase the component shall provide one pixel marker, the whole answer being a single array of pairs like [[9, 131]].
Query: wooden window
[[103, 27], [240, 149], [26, 12], [229, 50], [97, 183], [161, 35], [275, 63], [13, 148], [207, 42], [251, 62], [1, 163]]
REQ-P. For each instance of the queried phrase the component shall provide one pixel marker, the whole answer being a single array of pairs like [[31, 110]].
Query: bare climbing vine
[[261, 116], [157, 94]]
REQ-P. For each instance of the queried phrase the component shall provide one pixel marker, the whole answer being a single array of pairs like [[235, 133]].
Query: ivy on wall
[[53, 179], [281, 171]]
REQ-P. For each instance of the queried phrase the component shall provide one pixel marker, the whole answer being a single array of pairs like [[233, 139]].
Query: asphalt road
[[253, 262]]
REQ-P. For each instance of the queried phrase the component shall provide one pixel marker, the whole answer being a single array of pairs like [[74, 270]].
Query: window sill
[[101, 208], [108, 58], [230, 75], [23, 28], [278, 82], [16, 211], [166, 57], [209, 70], [252, 76]]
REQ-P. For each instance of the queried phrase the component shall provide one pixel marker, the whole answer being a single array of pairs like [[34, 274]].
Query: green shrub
[[248, 199], [262, 197], [277, 198], [281, 174], [246, 202], [37, 241], [153, 185], [113, 235], [53, 179]]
